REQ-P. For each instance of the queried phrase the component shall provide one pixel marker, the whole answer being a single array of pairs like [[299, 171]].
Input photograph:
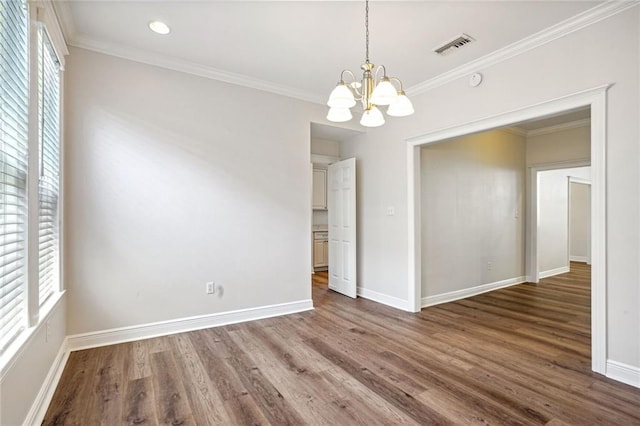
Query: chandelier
[[373, 91]]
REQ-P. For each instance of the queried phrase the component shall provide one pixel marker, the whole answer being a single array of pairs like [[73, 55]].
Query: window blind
[[14, 81], [48, 188]]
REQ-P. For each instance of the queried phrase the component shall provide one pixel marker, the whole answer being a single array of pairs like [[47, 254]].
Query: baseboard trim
[[624, 373], [385, 299], [552, 272], [164, 328], [582, 259], [468, 292], [43, 399]]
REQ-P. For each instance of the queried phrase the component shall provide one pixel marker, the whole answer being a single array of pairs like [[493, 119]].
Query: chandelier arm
[[398, 81], [351, 86], [375, 74], [347, 72]]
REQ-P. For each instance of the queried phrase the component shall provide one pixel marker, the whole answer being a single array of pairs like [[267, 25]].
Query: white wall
[[325, 147], [472, 202], [540, 74], [579, 222], [23, 379], [565, 145], [553, 219], [174, 180]]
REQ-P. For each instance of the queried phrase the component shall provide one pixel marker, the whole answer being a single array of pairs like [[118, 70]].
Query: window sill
[[9, 357]]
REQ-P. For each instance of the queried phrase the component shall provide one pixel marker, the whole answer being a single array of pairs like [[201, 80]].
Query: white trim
[[414, 227], [599, 232], [64, 16], [566, 27], [531, 267], [624, 373], [582, 259], [181, 65], [13, 353], [468, 292], [38, 409], [163, 328], [385, 299], [560, 127], [32, 302], [61, 186], [508, 118], [517, 131], [553, 272], [596, 98], [47, 15]]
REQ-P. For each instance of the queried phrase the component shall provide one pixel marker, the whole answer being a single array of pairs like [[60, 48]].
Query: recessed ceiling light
[[159, 27]]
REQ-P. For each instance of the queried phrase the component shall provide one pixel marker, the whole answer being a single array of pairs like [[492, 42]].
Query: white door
[[342, 227]]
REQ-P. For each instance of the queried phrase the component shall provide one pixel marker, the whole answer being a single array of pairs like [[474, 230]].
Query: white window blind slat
[[12, 302], [14, 85], [48, 248]]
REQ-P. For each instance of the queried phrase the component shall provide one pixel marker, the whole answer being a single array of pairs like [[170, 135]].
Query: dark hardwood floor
[[519, 355]]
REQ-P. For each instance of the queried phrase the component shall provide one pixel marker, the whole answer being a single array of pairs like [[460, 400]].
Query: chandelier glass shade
[[372, 91]]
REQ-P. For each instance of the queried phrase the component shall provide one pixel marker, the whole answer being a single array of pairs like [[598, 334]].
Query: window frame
[[15, 124], [41, 16]]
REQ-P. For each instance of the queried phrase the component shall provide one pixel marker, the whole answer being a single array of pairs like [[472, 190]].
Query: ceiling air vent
[[454, 44]]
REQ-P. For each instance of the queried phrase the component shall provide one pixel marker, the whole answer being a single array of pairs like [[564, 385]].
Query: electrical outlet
[[47, 331], [210, 288], [489, 266]]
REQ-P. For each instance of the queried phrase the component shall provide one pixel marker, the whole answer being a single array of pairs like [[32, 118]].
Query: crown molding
[[566, 27], [175, 64], [65, 17], [62, 11], [514, 130]]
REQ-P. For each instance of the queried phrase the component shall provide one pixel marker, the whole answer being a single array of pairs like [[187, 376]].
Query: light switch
[[391, 211]]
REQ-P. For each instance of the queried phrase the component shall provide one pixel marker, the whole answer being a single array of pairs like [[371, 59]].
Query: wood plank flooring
[[519, 355]]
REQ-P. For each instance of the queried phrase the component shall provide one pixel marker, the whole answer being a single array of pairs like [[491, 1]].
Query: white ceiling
[[303, 45]]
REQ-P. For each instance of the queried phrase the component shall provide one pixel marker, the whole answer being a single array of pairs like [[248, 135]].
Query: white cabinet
[[320, 249], [319, 189]]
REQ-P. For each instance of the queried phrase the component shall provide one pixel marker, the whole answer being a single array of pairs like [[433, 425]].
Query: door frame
[[596, 99], [532, 220]]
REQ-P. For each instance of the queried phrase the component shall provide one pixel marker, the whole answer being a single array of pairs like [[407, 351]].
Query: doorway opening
[[333, 222], [556, 222], [595, 101]]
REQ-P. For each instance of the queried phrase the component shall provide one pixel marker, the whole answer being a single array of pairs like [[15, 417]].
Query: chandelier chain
[[366, 25]]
